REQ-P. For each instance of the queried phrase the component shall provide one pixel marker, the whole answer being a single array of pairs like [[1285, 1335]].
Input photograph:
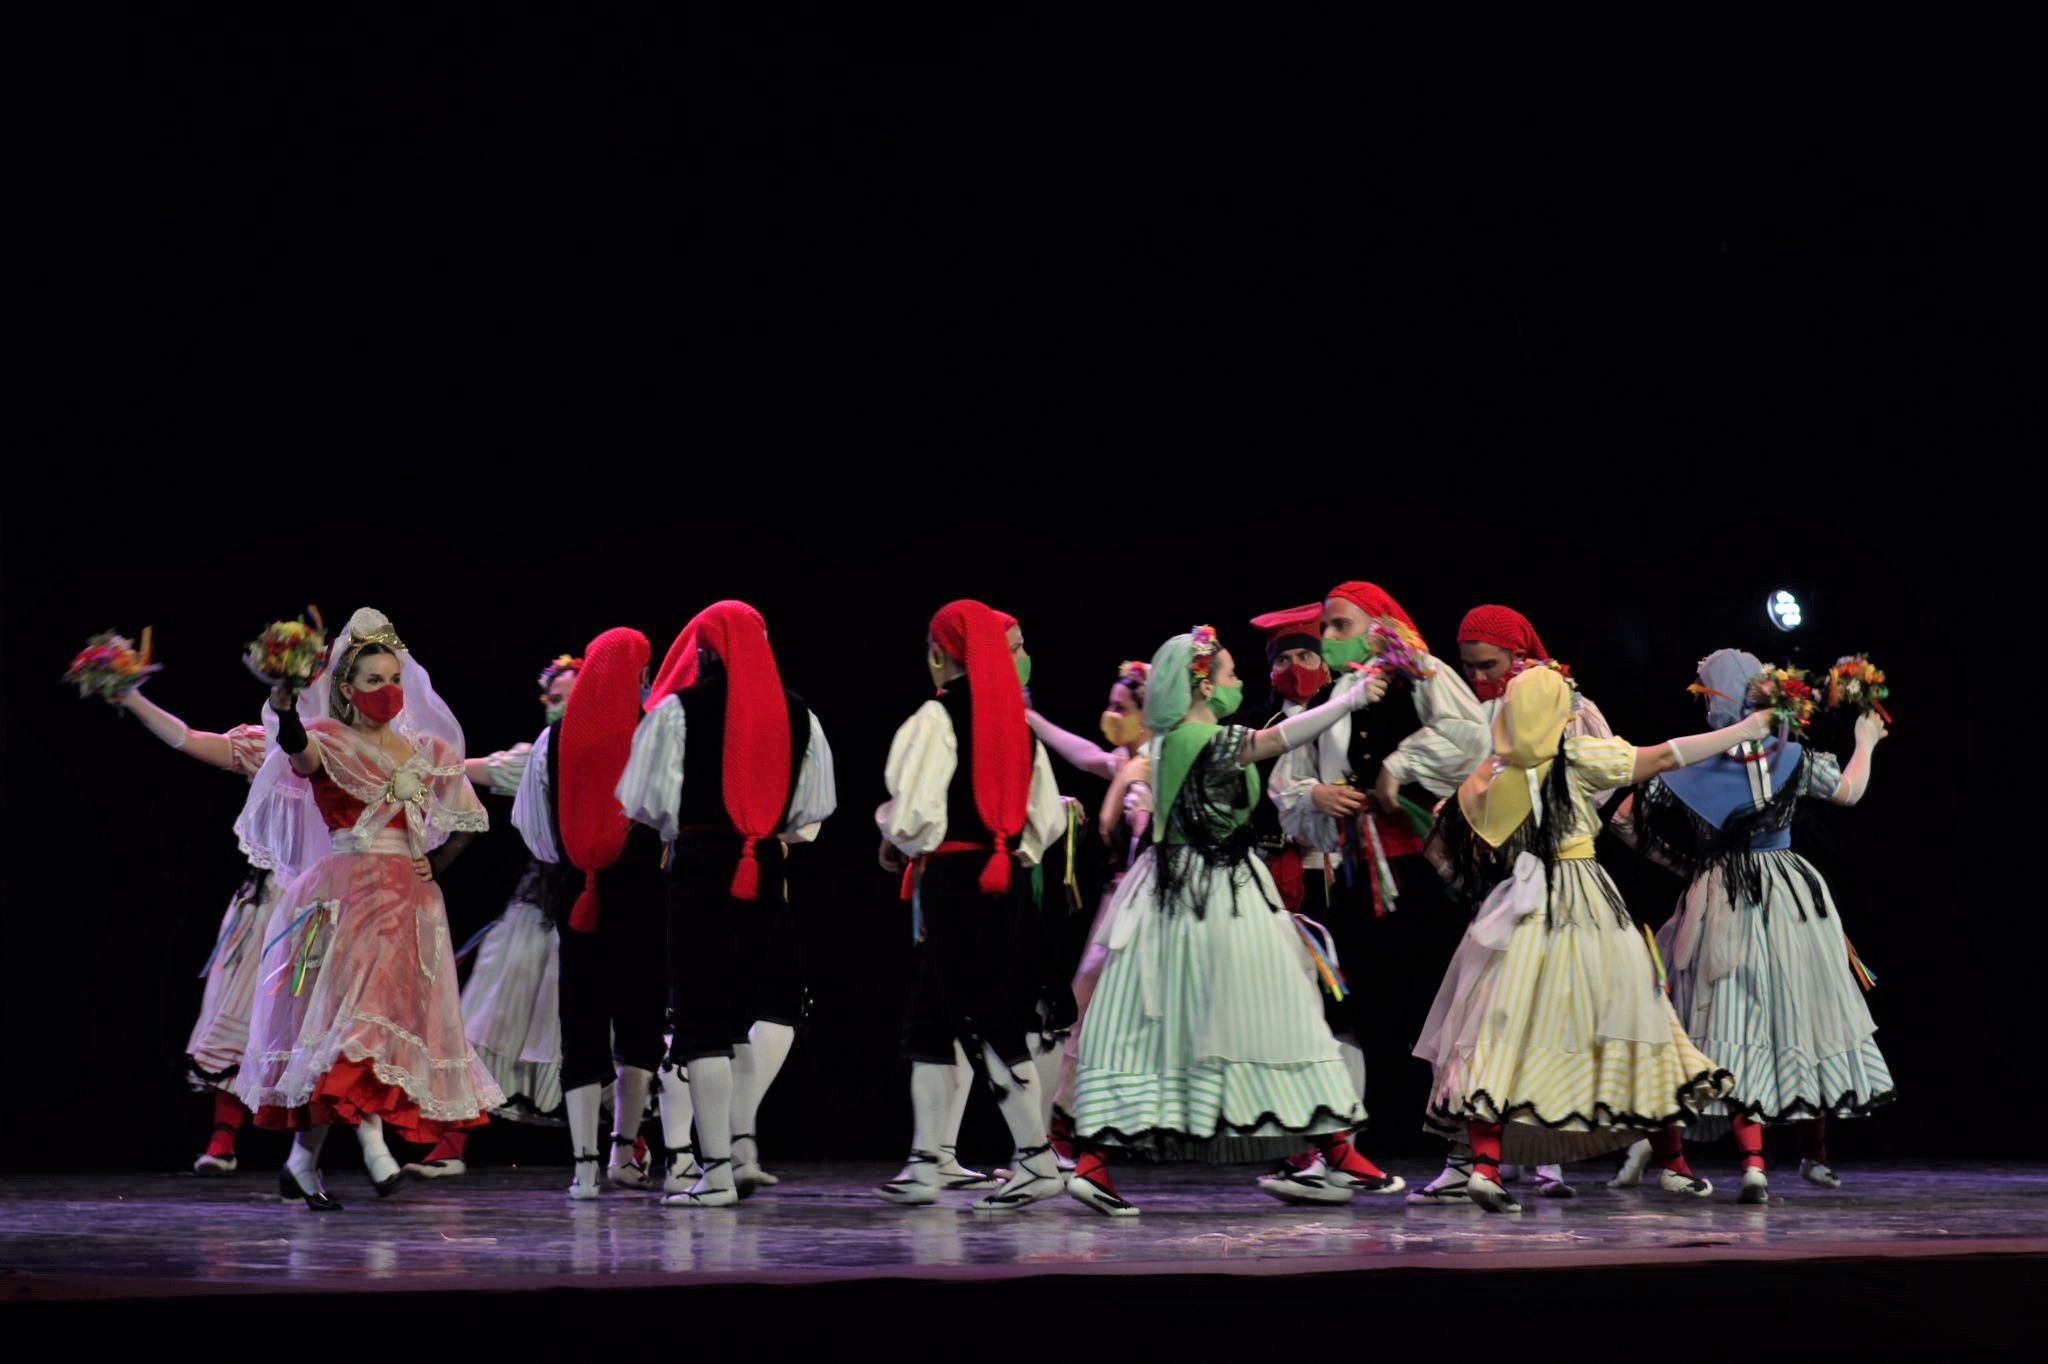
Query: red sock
[[1667, 1149], [229, 1114], [1749, 1139], [1339, 1154], [1813, 1139], [1092, 1164], [1061, 1135], [1485, 1140], [450, 1145]]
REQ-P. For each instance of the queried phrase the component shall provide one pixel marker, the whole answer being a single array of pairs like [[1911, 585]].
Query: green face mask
[[1224, 703], [556, 709], [1340, 652], [1023, 662]]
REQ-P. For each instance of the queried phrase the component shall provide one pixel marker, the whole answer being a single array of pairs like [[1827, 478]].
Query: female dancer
[[1550, 1039], [1494, 644], [213, 1053], [1207, 1020], [358, 1019], [1761, 970], [1125, 815]]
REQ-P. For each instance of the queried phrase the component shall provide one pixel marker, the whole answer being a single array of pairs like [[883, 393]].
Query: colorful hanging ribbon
[[1384, 892], [305, 962], [1073, 883], [1347, 850], [299, 960], [462, 952], [1070, 885], [911, 894], [1421, 820], [236, 928], [1656, 958], [1363, 839], [300, 918], [1864, 976], [1323, 948], [914, 874]]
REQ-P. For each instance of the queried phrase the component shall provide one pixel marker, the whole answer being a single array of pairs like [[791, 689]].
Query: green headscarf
[[1169, 692]]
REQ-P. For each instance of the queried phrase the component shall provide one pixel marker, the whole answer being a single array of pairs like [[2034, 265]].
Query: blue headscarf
[[1726, 674], [1719, 787]]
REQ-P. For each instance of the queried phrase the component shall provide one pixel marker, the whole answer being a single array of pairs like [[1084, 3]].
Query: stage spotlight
[[1783, 609]]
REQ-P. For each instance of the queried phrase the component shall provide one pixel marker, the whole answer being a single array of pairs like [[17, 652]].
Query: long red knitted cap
[[757, 739], [597, 738], [973, 635]]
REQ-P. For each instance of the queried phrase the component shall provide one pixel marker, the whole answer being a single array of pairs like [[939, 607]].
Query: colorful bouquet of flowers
[[1856, 681], [110, 666], [1397, 650], [1787, 695], [290, 651]]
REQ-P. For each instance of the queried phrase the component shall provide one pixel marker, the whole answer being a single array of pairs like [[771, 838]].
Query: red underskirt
[[351, 1092]]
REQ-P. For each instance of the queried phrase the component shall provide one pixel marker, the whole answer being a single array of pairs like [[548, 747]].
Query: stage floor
[[150, 1236]]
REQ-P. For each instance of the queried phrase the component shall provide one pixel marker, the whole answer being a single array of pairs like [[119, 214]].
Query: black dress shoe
[[289, 1188]]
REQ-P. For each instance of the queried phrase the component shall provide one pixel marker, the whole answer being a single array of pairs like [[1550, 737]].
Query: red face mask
[[1490, 688], [1297, 683], [379, 706]]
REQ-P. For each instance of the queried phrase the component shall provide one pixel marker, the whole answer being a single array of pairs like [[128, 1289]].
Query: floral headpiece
[[1563, 670], [564, 663], [1134, 673], [1205, 645]]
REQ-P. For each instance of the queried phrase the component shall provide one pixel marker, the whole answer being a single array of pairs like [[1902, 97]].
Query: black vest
[[1377, 731], [555, 782], [562, 882], [703, 803]]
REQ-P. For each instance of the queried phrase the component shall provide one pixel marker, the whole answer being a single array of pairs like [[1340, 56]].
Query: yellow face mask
[[1123, 731], [935, 662]]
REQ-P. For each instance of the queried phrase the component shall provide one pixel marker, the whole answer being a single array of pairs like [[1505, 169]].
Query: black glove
[[291, 733]]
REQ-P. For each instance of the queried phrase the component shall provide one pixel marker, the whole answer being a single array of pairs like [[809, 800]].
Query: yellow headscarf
[[1526, 729]]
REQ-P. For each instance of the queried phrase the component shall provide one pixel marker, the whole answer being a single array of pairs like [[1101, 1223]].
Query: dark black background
[[523, 324]]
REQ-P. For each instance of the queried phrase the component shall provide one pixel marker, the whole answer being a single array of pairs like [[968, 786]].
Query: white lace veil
[[280, 826]]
